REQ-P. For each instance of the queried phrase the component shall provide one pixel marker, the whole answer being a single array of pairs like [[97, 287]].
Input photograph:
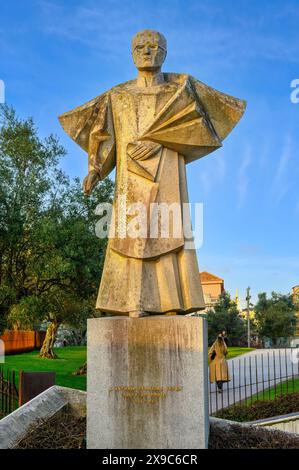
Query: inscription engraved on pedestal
[[143, 394], [143, 375]]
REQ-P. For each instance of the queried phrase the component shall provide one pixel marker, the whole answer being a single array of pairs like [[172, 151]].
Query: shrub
[[250, 437], [261, 409]]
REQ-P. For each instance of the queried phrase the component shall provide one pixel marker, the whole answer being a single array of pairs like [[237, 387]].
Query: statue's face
[[149, 51]]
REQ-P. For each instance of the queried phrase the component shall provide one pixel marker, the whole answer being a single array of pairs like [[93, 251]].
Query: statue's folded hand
[[142, 150]]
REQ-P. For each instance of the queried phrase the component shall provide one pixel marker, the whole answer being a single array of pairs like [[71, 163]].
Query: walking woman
[[218, 364]]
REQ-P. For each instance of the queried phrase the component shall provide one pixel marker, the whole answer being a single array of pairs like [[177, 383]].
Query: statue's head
[[149, 49]]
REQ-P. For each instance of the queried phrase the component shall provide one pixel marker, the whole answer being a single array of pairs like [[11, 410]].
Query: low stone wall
[[287, 423], [15, 426]]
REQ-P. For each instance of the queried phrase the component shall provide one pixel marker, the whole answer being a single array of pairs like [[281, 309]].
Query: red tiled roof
[[208, 277]]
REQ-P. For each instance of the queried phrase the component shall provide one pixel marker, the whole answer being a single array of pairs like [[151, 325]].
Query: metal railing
[[8, 392], [262, 375]]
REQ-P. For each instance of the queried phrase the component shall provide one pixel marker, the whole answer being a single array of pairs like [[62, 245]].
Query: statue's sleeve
[[195, 121], [91, 127], [223, 111]]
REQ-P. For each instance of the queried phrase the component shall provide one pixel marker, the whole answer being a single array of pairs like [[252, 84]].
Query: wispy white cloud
[[243, 178], [281, 182], [250, 249], [5, 46], [264, 154], [213, 174], [102, 27], [105, 26], [289, 11]]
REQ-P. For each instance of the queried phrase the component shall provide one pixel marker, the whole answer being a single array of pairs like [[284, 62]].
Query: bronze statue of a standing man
[[149, 129]]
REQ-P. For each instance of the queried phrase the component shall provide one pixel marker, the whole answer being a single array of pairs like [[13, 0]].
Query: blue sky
[[56, 55]]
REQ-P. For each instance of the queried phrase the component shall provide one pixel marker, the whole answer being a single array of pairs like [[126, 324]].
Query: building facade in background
[[212, 287]]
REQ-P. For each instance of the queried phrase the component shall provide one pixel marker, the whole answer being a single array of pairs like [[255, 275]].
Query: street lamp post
[[248, 297]]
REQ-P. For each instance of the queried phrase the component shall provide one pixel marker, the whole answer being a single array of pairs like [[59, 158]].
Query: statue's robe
[[189, 120]]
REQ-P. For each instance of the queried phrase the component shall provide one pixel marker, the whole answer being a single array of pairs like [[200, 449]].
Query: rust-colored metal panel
[[32, 384], [22, 341]]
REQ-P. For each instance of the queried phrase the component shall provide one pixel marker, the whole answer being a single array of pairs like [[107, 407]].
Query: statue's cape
[[194, 122], [91, 127]]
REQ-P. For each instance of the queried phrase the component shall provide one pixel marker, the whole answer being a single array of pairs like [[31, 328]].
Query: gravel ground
[[62, 431]]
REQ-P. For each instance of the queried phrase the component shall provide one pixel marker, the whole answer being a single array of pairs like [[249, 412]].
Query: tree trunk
[[47, 350], [82, 370]]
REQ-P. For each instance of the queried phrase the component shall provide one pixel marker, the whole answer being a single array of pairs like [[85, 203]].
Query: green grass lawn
[[282, 388], [69, 359], [235, 351]]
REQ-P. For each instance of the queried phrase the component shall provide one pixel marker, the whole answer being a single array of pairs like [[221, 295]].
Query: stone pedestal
[[147, 383]]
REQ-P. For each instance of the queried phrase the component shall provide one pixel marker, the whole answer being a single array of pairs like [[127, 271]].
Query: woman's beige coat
[[218, 366]]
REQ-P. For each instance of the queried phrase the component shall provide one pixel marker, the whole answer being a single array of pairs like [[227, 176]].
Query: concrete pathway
[[254, 372]]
